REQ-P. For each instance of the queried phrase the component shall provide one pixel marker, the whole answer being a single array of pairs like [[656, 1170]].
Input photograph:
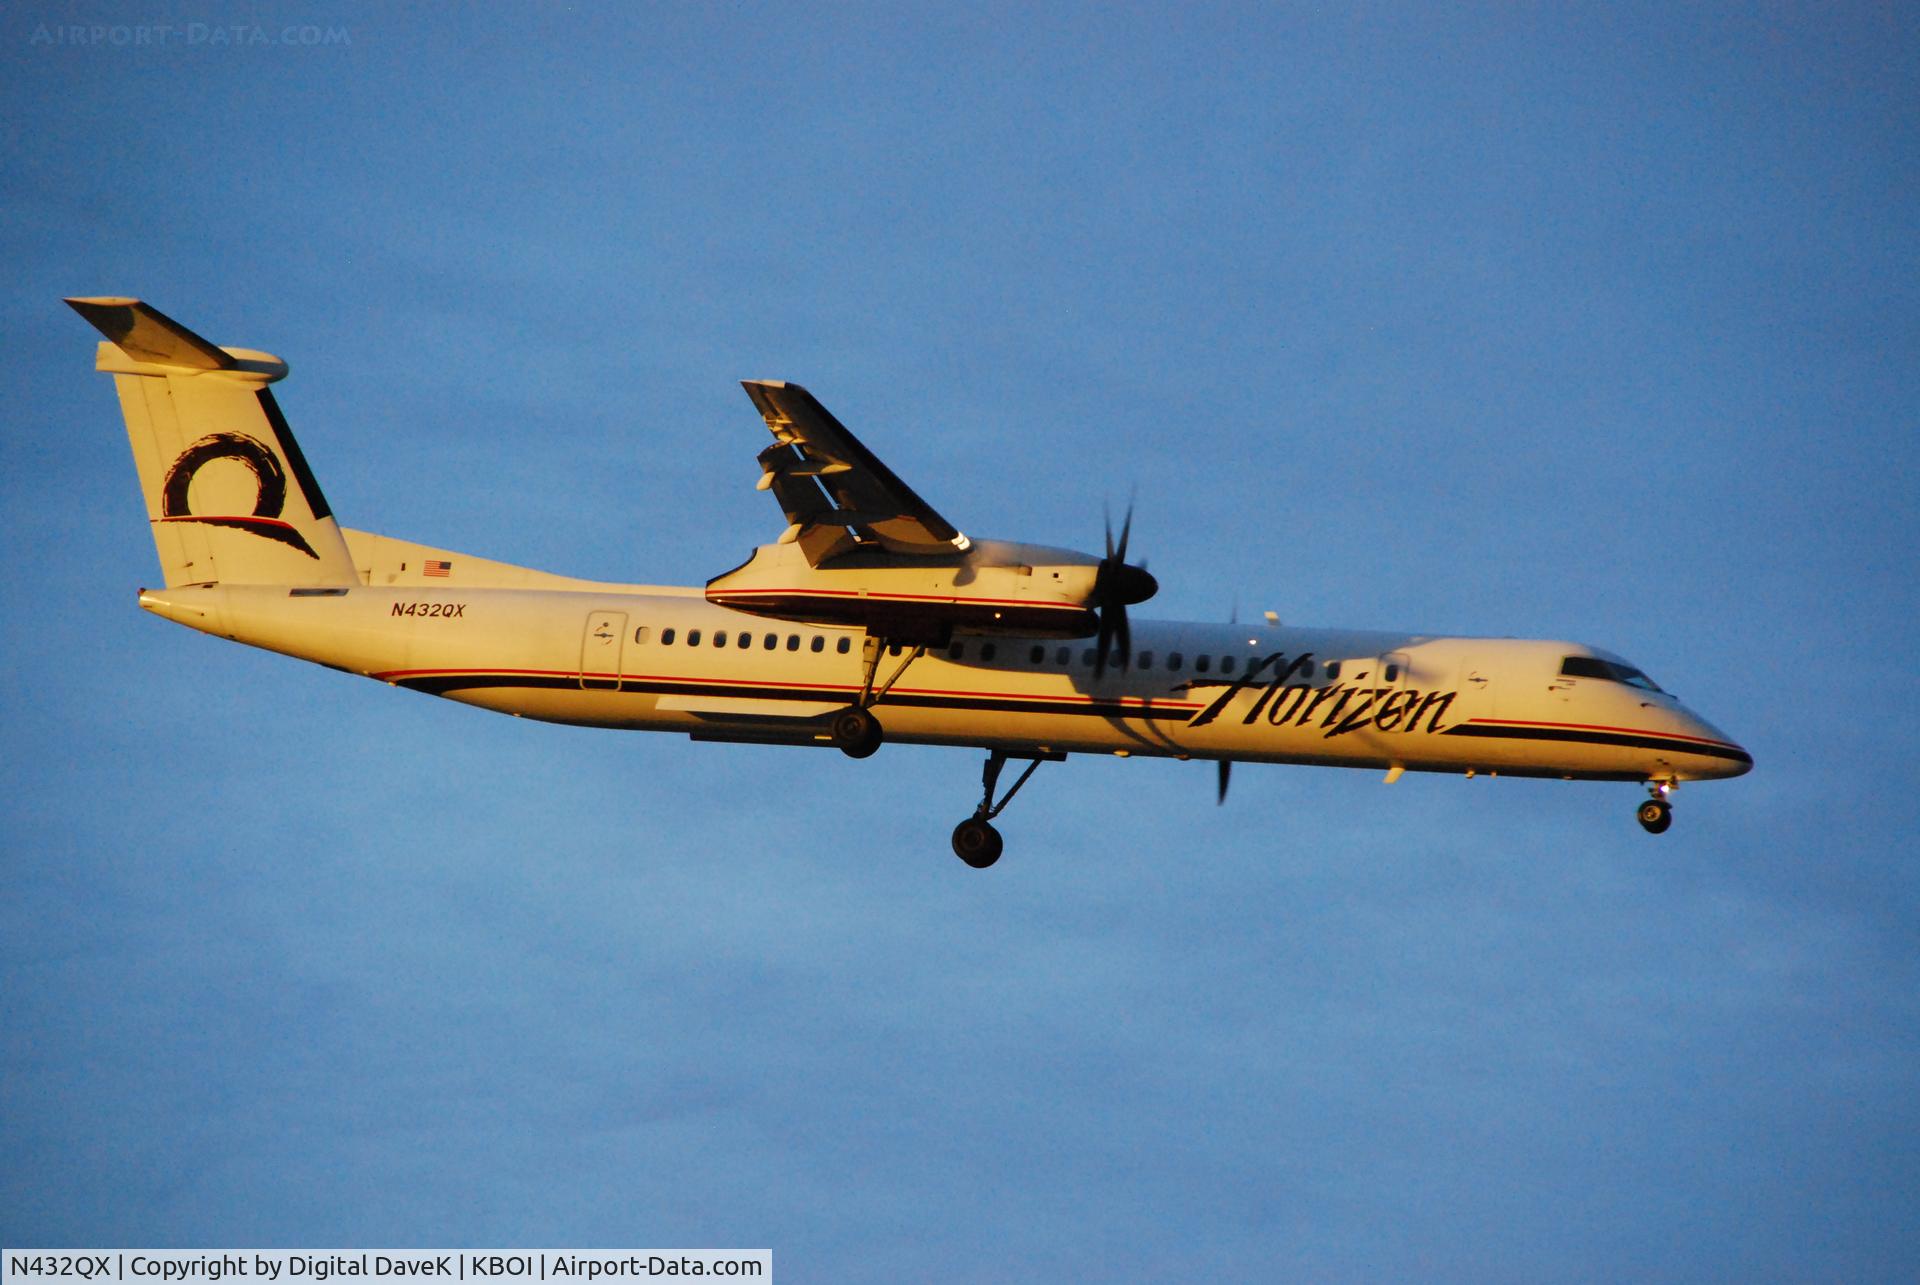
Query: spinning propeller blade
[[1117, 586]]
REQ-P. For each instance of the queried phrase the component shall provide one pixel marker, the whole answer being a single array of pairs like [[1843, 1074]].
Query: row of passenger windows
[[1063, 656], [743, 640], [1037, 654]]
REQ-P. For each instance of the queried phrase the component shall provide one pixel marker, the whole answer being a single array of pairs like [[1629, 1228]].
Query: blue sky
[[1595, 325]]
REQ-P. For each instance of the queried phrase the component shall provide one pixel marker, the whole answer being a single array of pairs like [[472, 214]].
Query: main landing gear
[[855, 732], [975, 841], [1656, 814]]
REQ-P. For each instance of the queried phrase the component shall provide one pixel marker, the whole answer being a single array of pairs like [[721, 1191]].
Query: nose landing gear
[[1656, 814]]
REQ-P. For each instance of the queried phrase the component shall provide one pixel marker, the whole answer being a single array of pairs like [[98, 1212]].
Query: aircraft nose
[[1732, 757]]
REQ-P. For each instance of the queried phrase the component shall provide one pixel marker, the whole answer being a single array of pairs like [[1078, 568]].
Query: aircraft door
[[600, 648]]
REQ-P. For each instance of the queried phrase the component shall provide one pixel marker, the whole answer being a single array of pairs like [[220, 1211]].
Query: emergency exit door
[[600, 649]]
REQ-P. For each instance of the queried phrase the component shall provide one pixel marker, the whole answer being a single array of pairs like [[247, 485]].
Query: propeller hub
[[1123, 584]]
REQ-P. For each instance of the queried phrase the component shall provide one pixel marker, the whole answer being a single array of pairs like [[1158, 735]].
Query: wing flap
[[824, 477]]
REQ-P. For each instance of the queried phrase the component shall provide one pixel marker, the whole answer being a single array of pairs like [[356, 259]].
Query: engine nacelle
[[993, 587]]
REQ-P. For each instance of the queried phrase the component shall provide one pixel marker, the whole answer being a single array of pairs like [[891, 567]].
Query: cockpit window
[[1594, 667]]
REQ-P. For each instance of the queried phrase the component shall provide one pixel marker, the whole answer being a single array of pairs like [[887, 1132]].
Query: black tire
[[976, 843], [856, 733], [1655, 815]]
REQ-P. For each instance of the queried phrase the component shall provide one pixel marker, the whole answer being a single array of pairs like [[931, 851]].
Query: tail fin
[[229, 494]]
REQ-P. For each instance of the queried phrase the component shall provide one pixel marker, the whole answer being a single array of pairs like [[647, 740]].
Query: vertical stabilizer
[[230, 497]]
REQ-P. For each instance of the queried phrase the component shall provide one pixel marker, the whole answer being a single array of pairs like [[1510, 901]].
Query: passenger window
[[1228, 664], [1063, 656], [1175, 660], [666, 637], [1333, 670], [640, 634], [987, 651], [1088, 656], [793, 642], [958, 651], [1202, 664], [844, 645], [719, 637], [1036, 654], [1391, 673], [693, 637], [1306, 669], [746, 639], [819, 642], [770, 642], [1146, 660]]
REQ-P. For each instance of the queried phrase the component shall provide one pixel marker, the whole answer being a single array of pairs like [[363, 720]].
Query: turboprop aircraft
[[870, 617]]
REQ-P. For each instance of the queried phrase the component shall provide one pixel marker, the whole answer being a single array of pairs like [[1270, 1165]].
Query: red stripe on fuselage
[[396, 675], [716, 595], [1600, 727]]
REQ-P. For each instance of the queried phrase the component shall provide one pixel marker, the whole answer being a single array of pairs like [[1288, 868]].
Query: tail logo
[[271, 500]]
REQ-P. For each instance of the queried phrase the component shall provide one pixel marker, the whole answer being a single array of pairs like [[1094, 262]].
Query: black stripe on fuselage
[[444, 684], [1588, 737]]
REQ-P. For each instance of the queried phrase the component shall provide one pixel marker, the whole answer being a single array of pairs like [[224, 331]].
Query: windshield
[[1594, 667]]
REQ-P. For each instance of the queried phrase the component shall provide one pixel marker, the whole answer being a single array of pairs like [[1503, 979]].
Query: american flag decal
[[435, 567]]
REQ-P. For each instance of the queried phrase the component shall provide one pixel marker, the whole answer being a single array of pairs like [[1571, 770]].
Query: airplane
[[869, 618]]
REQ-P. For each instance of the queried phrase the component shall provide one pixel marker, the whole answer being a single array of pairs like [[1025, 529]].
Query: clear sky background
[[1597, 325]]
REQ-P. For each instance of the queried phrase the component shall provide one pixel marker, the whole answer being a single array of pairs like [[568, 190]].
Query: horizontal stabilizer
[[145, 333]]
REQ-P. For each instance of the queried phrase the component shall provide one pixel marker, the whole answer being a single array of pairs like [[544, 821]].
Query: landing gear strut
[[1656, 814], [975, 841], [855, 732]]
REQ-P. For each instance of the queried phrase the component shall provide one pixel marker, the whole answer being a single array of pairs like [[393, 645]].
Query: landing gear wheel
[[856, 733], [976, 842], [1655, 815]]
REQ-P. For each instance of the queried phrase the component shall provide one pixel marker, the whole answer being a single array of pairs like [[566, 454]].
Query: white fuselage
[[646, 658], [871, 617]]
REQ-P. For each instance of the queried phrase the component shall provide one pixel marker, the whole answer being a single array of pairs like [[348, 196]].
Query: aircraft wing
[[826, 481]]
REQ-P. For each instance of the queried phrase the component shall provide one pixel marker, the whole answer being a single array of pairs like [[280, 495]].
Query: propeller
[[1226, 774], [1117, 586]]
